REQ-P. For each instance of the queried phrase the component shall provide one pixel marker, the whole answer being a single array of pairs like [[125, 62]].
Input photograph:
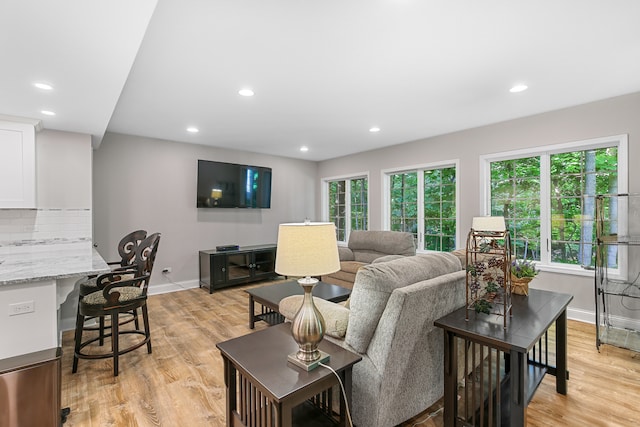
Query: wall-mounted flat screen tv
[[229, 185]]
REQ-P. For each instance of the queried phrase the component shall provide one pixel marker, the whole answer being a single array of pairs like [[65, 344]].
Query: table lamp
[[305, 250]]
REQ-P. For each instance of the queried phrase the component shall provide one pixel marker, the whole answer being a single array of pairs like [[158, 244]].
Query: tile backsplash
[[31, 226]]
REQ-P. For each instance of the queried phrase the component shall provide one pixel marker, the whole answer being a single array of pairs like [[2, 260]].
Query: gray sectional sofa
[[389, 321]]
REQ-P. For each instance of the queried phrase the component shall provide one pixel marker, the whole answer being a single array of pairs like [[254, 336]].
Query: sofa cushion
[[375, 283], [381, 243], [336, 316], [349, 267]]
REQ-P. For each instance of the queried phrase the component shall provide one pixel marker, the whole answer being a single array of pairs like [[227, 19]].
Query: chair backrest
[[128, 246], [146, 254]]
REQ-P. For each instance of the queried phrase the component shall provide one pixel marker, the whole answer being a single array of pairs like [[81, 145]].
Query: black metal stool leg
[[147, 330], [78, 340], [114, 341]]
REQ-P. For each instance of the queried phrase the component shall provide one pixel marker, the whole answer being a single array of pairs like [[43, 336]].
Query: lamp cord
[[344, 394], [431, 415]]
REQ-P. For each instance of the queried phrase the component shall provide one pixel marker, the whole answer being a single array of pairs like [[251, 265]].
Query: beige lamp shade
[[216, 193], [307, 249], [488, 223]]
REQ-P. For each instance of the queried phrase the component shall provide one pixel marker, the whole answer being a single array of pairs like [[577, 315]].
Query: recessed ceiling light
[[245, 92], [304, 148], [43, 86], [374, 129], [192, 129], [518, 88], [48, 113]]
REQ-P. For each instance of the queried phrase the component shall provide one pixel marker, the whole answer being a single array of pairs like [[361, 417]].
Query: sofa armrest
[[336, 315], [345, 254]]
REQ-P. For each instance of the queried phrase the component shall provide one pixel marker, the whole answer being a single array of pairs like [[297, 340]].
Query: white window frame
[[386, 191], [325, 200], [545, 264]]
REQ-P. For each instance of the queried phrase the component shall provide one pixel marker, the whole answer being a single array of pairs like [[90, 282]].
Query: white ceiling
[[323, 72]]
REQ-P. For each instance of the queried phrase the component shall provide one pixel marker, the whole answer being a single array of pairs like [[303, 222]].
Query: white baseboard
[[165, 288], [590, 317], [581, 315]]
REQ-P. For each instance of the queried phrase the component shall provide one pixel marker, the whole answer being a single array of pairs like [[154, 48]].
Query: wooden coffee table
[[264, 389], [270, 296]]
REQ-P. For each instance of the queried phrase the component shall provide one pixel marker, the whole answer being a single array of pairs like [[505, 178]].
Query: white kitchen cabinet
[[17, 165]]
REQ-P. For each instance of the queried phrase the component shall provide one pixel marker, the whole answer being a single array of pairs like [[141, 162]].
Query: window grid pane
[[337, 207], [576, 178], [440, 209], [404, 202], [359, 204], [515, 194]]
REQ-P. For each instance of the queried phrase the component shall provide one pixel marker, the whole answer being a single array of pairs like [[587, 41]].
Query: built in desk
[[503, 366]]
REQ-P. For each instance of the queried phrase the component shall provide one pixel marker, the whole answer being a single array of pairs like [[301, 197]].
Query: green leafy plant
[[491, 287], [482, 306], [523, 268]]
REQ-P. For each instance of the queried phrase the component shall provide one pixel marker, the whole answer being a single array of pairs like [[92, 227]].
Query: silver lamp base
[[309, 366]]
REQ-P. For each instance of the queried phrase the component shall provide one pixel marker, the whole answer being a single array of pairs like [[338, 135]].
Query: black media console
[[219, 269]]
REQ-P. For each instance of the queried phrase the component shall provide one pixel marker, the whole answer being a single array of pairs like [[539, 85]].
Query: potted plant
[[522, 272], [491, 290]]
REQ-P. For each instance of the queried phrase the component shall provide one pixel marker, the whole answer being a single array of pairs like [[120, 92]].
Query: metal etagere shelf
[[617, 275], [489, 273]]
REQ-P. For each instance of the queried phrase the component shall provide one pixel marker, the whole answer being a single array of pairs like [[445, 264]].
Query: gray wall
[[603, 118], [151, 184]]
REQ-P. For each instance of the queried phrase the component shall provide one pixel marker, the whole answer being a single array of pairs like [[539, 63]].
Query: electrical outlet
[[21, 308], [166, 270]]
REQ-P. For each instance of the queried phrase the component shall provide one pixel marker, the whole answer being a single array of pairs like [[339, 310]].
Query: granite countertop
[[35, 262]]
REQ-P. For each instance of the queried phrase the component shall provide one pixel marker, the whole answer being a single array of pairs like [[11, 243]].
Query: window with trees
[[547, 197], [423, 202], [347, 205]]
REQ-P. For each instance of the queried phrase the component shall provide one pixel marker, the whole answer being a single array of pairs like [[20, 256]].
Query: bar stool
[[118, 292], [127, 248]]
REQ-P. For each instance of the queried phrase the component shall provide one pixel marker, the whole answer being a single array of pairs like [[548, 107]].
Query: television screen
[[230, 185]]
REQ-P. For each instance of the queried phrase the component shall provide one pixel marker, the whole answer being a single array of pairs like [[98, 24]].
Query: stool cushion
[[90, 285], [127, 293]]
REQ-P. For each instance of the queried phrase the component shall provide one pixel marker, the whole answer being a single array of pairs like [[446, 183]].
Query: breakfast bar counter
[[34, 280], [23, 264]]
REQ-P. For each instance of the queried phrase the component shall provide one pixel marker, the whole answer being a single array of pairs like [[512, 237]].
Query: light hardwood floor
[[181, 382]]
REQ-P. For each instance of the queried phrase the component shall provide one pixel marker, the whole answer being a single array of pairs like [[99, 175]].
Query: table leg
[[345, 376], [517, 385], [450, 375], [561, 353], [285, 418], [230, 385], [251, 312]]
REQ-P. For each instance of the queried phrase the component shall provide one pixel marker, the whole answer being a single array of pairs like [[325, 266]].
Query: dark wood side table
[[264, 389], [269, 298], [524, 349]]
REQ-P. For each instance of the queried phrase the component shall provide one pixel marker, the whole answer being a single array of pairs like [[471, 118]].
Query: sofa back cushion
[[374, 284], [369, 245]]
